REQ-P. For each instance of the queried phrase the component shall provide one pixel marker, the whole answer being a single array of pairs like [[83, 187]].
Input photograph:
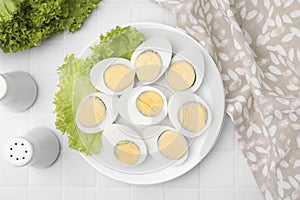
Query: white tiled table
[[222, 175]]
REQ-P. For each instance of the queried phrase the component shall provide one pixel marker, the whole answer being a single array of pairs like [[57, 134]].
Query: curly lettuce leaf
[[8, 8], [27, 23], [74, 84]]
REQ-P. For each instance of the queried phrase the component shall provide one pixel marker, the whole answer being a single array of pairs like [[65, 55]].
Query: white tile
[[11, 126], [245, 177], [217, 195], [143, 2], [46, 91], [46, 58], [12, 176], [116, 2], [45, 194], [148, 195], [42, 119], [79, 194], [257, 195], [151, 12], [116, 194], [75, 48], [180, 195], [77, 172], [54, 38], [218, 171], [65, 144], [189, 180], [87, 31], [149, 187], [112, 16], [107, 182], [15, 61], [49, 177], [13, 194], [227, 139]]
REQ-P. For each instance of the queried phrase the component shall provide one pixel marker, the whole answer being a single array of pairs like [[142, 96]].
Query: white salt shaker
[[18, 90], [38, 148]]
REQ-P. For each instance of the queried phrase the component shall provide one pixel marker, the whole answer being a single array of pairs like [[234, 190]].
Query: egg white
[[110, 103], [97, 75], [151, 136], [176, 102], [162, 47], [136, 116], [116, 133], [196, 60]]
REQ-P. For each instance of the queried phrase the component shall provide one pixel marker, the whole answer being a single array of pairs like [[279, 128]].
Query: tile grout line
[[201, 182], [252, 190], [28, 128], [63, 154]]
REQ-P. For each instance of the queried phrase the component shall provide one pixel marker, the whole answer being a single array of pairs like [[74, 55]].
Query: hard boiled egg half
[[151, 59], [189, 114], [186, 70], [124, 144], [113, 76], [95, 112], [147, 105], [166, 143]]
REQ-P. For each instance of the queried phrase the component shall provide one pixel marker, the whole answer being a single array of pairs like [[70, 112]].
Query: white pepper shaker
[[38, 148], [18, 90]]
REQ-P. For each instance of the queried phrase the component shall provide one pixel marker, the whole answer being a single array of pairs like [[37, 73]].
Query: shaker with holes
[[38, 148]]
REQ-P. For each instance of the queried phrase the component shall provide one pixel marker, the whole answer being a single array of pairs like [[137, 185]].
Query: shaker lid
[[18, 152], [3, 87]]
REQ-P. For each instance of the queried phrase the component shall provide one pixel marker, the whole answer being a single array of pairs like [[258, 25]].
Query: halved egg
[[151, 59], [147, 105], [166, 143], [113, 76], [95, 112], [124, 144], [189, 114], [186, 70]]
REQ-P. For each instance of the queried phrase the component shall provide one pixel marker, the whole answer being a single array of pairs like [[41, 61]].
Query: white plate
[[154, 171]]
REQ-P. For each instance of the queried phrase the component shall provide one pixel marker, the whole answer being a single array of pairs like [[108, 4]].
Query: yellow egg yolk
[[181, 75], [91, 112], [172, 145], [127, 152], [150, 103], [193, 116], [118, 77], [148, 65]]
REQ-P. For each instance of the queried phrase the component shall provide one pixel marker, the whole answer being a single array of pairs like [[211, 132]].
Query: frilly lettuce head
[[27, 23]]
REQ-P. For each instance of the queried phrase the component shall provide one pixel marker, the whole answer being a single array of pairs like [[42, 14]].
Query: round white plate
[[154, 171]]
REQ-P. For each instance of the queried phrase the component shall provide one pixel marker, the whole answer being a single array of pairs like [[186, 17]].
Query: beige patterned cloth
[[256, 45]]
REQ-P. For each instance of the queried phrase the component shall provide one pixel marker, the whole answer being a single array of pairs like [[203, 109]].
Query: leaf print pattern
[[256, 46]]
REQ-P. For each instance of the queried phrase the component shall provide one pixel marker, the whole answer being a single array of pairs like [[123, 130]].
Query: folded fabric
[[256, 46]]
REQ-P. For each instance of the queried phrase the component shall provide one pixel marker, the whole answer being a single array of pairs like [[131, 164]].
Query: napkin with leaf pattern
[[256, 46]]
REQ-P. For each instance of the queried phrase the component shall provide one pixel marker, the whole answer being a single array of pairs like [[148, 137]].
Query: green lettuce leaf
[[74, 84], [27, 23], [8, 8]]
